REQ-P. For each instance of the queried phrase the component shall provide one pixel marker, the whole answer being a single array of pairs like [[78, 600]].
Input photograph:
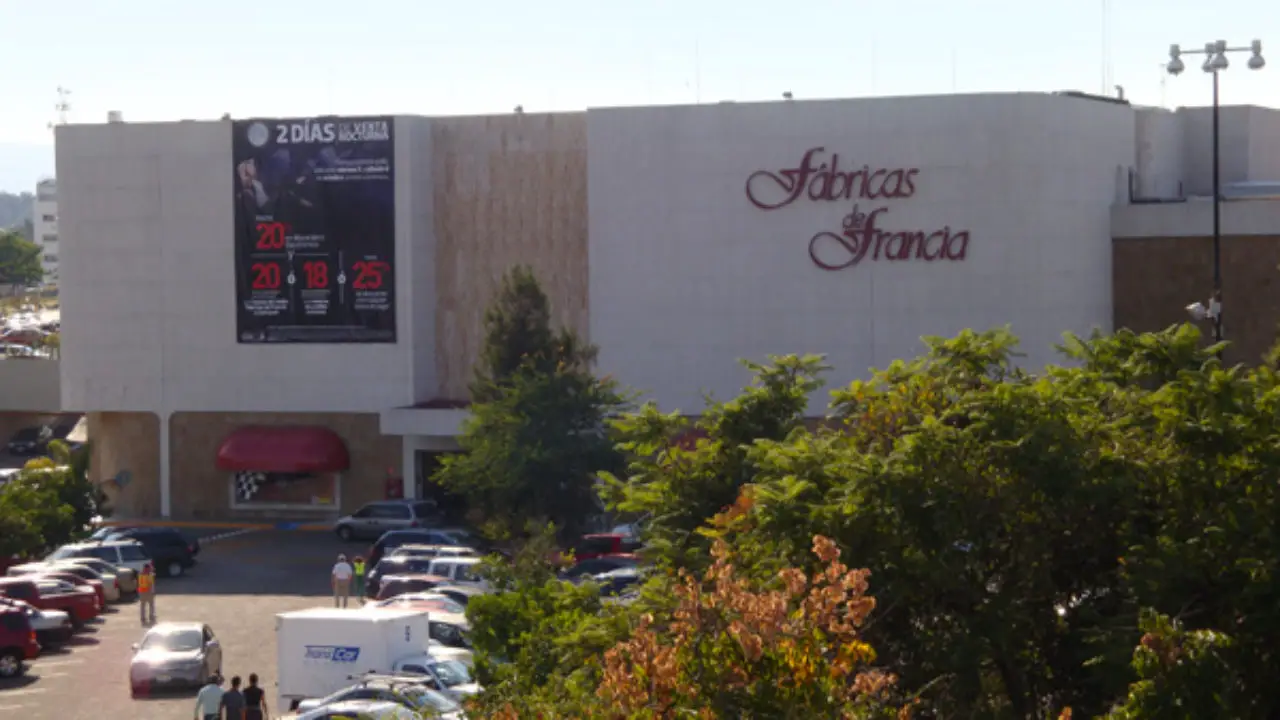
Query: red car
[[78, 602], [393, 585], [17, 642], [602, 545], [99, 591]]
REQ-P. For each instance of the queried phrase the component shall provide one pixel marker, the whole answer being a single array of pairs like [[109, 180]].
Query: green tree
[[19, 260], [537, 435], [538, 640]]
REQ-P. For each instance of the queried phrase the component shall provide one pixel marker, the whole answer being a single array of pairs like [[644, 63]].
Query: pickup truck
[[79, 602]]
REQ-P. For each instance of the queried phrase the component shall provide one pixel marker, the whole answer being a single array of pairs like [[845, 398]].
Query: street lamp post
[[1215, 61]]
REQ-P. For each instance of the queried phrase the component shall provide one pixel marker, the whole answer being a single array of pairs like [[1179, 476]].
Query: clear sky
[[174, 59]]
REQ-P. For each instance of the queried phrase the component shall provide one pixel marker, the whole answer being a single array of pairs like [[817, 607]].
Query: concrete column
[[409, 466], [165, 490]]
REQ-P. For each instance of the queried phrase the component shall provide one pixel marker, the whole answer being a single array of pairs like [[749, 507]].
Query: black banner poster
[[315, 230]]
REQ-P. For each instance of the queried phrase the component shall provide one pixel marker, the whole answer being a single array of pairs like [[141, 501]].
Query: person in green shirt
[[358, 565]]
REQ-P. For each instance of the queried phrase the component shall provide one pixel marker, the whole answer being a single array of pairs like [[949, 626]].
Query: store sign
[[315, 230], [864, 234]]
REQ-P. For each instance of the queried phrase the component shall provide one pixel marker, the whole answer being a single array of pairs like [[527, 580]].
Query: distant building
[[45, 221]]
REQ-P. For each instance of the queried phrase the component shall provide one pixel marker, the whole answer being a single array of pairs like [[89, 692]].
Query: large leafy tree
[[1015, 523], [537, 434], [19, 260]]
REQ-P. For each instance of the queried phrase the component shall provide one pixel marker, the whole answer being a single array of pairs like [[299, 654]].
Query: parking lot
[[237, 587]]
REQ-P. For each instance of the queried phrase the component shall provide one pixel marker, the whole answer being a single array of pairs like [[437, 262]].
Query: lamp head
[[1210, 50], [1256, 62], [1175, 66], [1197, 311]]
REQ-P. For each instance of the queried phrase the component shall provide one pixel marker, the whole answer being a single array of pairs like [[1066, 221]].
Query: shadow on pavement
[[264, 562], [25, 680]]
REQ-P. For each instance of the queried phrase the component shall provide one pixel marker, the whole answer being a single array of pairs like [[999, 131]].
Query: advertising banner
[[315, 230]]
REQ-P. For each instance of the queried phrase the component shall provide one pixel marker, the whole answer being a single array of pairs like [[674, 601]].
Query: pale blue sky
[[173, 59]]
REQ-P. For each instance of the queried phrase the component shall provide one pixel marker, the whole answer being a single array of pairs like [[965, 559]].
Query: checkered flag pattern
[[248, 483]]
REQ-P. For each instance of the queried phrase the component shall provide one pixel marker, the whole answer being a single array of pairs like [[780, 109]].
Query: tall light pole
[[1215, 61]]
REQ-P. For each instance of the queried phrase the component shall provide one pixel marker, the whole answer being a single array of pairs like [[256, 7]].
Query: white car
[[411, 691], [459, 570], [125, 553], [451, 677], [360, 710]]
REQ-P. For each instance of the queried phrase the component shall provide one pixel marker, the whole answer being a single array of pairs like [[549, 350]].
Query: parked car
[[99, 590], [459, 570], [174, 654], [393, 539], [601, 544], [394, 566], [361, 710], [30, 441], [105, 588], [52, 627], [123, 553], [393, 585], [432, 551], [172, 553], [376, 518], [106, 531], [595, 566], [460, 594], [126, 578], [615, 582], [408, 692], [429, 602], [450, 676], [81, 603], [18, 642]]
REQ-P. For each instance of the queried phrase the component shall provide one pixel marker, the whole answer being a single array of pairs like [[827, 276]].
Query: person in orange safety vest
[[147, 594]]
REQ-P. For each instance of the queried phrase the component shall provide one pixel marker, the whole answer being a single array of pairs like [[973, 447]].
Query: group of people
[[343, 575], [214, 703]]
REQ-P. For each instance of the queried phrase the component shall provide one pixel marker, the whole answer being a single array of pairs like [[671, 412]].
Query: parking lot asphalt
[[238, 586]]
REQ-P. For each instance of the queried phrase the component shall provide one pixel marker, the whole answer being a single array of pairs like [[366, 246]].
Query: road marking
[[46, 676], [56, 663], [11, 707]]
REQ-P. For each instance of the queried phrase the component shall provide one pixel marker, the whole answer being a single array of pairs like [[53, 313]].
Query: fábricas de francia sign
[[862, 234]]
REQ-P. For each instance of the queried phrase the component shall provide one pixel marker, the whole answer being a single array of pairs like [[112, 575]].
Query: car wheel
[[173, 569], [344, 533], [10, 664]]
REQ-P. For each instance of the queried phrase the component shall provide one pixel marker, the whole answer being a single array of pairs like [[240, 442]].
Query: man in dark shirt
[[233, 701]]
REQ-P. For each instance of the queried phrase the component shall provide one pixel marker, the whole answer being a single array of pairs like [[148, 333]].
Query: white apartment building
[[45, 221]]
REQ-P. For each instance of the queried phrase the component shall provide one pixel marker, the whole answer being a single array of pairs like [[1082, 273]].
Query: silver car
[[372, 520], [409, 692], [184, 654]]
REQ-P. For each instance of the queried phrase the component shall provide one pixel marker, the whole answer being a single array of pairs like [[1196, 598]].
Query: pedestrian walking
[[358, 566], [147, 595], [209, 700], [233, 701], [341, 579], [255, 700]]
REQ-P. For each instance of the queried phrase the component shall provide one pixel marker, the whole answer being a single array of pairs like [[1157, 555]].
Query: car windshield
[[451, 672], [102, 533], [423, 698], [173, 641], [26, 435]]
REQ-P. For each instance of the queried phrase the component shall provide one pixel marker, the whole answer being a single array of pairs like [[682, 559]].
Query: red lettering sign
[[822, 180], [819, 179], [860, 239]]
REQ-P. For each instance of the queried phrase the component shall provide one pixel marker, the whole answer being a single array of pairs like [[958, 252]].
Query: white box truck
[[318, 651]]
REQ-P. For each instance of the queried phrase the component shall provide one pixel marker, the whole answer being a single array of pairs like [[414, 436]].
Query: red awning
[[283, 449]]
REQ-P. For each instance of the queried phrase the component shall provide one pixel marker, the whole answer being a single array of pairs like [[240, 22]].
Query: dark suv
[[171, 553]]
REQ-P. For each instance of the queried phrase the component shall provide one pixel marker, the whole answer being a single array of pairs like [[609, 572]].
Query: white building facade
[[44, 219], [678, 239]]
